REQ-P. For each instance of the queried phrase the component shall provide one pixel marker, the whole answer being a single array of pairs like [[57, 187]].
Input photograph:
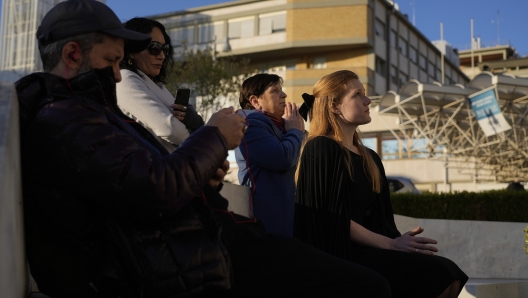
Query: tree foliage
[[214, 81]]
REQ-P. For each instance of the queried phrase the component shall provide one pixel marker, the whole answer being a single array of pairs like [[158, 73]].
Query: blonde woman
[[343, 202]]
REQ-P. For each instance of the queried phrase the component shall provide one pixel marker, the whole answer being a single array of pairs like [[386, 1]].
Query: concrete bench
[[13, 278], [490, 253]]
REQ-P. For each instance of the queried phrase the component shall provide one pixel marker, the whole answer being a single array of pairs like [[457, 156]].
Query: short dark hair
[[256, 85], [51, 53], [145, 26]]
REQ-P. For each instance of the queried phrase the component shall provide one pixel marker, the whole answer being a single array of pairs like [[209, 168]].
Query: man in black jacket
[[110, 213]]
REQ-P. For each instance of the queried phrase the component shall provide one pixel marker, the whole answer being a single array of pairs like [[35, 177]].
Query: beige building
[[499, 59], [303, 40]]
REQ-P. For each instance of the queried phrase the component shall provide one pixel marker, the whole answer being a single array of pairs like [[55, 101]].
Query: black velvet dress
[[327, 199]]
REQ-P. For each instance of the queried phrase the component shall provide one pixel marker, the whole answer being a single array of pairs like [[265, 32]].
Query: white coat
[[148, 103]]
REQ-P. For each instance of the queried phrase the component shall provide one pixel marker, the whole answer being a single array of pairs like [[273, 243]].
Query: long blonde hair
[[329, 91]]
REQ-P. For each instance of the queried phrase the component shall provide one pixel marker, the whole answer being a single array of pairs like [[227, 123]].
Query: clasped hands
[[292, 118], [409, 243]]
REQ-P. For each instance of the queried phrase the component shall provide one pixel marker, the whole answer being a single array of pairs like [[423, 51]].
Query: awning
[[443, 115]]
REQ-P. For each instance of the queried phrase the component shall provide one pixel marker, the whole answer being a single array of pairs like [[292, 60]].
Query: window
[[423, 62], [408, 147], [432, 70], [390, 148], [272, 23], [455, 78], [241, 28], [412, 54], [393, 37], [182, 35], [208, 32], [290, 64], [447, 70], [394, 185], [319, 63], [415, 148], [278, 66], [369, 143], [379, 29], [403, 46], [403, 79], [381, 67], [394, 75]]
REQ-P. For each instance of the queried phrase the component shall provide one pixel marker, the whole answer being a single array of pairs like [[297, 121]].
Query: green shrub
[[496, 205]]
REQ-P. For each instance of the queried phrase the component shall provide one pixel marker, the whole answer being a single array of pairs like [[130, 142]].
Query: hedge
[[496, 205]]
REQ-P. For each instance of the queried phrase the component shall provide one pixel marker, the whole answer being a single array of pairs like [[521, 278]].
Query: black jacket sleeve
[[98, 159]]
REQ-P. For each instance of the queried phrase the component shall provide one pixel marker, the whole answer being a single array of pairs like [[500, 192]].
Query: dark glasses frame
[[155, 48]]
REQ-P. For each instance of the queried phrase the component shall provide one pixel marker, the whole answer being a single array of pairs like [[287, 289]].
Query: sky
[[495, 21]]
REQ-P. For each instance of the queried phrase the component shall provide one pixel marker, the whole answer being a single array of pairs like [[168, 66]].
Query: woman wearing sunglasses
[[141, 94]]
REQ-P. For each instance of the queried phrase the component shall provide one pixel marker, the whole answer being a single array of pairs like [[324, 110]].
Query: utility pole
[[472, 60], [444, 49]]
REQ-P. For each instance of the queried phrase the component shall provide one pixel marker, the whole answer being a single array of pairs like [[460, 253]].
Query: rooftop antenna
[[497, 21], [413, 4]]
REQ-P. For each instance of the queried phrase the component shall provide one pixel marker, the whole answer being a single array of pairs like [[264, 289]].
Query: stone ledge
[[484, 250]]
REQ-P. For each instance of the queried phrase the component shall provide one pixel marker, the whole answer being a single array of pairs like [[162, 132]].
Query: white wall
[[12, 268]]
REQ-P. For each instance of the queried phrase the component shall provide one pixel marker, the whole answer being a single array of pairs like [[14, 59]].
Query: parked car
[[401, 184]]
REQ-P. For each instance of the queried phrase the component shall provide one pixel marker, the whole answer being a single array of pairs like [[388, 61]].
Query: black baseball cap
[[74, 17]]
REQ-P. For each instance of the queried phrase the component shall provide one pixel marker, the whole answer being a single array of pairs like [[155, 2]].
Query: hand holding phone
[[179, 108], [185, 112]]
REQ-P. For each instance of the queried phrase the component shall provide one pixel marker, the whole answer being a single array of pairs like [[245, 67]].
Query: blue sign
[[488, 112]]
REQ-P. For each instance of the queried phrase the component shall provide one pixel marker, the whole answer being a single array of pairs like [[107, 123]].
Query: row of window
[[266, 24], [403, 148], [401, 44], [399, 78], [280, 66]]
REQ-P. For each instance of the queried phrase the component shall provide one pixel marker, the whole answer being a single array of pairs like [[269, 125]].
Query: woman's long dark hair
[[144, 25]]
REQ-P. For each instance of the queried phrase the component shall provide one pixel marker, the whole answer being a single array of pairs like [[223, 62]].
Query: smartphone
[[182, 97]]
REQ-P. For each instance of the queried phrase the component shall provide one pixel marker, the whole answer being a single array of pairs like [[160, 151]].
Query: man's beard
[[85, 66]]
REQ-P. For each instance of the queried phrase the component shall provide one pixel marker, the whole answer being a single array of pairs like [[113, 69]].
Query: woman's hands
[[188, 116], [406, 242], [292, 118], [178, 111], [409, 243]]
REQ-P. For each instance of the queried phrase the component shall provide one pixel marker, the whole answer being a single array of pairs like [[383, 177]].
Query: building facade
[[500, 59], [303, 40]]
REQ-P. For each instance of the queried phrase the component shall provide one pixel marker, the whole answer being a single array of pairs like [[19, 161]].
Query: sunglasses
[[155, 48]]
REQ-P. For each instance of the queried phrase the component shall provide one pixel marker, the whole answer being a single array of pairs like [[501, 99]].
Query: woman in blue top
[[268, 154]]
